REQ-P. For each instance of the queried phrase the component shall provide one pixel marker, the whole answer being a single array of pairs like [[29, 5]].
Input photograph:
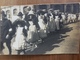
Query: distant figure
[[57, 20], [14, 17], [51, 21], [8, 15], [4, 18], [79, 17], [63, 18], [42, 24]]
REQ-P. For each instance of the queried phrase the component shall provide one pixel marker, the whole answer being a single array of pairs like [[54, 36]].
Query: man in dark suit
[[6, 29]]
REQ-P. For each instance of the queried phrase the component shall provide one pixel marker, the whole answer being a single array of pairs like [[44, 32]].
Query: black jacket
[[5, 29]]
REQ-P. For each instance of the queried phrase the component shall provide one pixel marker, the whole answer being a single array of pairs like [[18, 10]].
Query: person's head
[[31, 17], [25, 11], [8, 12], [50, 10], [8, 15], [56, 12], [15, 11], [3, 15], [62, 13], [28, 8], [20, 15]]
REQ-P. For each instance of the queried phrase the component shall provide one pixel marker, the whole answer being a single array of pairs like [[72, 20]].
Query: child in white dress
[[33, 35], [63, 18], [57, 22], [51, 23], [69, 18], [20, 37], [74, 17], [42, 31]]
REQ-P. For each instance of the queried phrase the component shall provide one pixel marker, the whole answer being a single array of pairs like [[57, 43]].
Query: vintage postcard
[[40, 29]]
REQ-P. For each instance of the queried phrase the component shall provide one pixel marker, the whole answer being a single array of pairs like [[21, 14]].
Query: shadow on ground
[[51, 41]]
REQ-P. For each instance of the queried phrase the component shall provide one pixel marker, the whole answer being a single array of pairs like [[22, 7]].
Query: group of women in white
[[28, 36], [35, 35]]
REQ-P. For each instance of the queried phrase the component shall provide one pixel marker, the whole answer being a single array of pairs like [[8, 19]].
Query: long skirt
[[43, 30], [42, 33], [19, 43], [32, 36], [57, 24], [51, 25]]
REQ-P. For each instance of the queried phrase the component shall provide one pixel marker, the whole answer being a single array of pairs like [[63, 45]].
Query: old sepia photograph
[[40, 29]]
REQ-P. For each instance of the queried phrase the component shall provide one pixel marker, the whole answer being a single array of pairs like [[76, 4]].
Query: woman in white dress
[[69, 18], [56, 17], [32, 32], [42, 24], [51, 22], [19, 43], [74, 18], [63, 18], [33, 35], [19, 38]]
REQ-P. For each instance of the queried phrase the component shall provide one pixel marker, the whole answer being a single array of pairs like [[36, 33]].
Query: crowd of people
[[29, 28]]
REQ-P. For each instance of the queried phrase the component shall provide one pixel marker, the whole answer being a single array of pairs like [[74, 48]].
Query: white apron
[[51, 24], [32, 34], [19, 39], [42, 31], [57, 22], [63, 19]]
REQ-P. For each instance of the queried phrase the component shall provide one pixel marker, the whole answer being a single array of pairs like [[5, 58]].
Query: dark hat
[[20, 14], [41, 12], [30, 17], [3, 13]]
